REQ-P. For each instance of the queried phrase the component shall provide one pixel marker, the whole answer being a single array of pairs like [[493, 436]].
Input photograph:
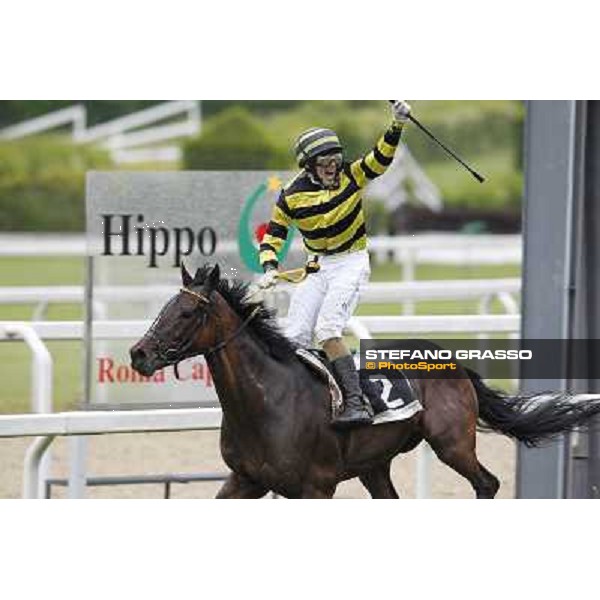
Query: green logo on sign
[[249, 244]]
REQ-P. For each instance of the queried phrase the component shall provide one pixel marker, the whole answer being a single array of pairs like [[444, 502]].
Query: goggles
[[329, 161]]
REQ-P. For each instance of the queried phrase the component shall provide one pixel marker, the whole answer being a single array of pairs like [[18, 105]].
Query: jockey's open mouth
[[327, 169]]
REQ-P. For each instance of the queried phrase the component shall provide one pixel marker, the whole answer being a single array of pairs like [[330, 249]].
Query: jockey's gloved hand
[[267, 279], [401, 111]]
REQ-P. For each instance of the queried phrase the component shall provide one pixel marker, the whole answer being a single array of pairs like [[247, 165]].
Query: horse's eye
[[186, 314]]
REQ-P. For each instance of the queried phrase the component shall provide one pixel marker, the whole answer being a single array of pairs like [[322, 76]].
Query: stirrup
[[342, 421]]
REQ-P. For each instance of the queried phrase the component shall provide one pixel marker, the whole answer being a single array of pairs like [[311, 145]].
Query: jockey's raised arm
[[324, 202], [376, 162]]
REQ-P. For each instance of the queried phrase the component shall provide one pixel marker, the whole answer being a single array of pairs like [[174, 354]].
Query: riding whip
[[424, 129]]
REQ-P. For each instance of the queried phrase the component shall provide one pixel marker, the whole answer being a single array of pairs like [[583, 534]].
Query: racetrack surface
[[196, 452]]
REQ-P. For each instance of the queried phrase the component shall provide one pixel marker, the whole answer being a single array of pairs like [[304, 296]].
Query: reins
[[299, 275], [294, 276]]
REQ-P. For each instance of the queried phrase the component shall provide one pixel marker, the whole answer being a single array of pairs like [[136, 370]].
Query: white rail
[[123, 134], [455, 289], [99, 422], [403, 293], [41, 371], [36, 464], [47, 426], [125, 330], [74, 116], [374, 293], [406, 325], [28, 244], [146, 137], [440, 248], [153, 114]]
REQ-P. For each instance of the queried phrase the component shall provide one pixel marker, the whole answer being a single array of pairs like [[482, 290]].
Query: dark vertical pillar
[[585, 463], [561, 290], [592, 199], [548, 229]]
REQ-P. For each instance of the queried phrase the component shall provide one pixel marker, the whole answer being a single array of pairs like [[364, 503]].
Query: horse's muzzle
[[142, 361]]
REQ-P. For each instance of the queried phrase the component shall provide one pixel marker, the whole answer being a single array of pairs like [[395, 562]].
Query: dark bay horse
[[275, 433]]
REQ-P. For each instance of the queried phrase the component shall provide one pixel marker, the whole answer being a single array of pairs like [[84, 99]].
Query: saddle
[[392, 399]]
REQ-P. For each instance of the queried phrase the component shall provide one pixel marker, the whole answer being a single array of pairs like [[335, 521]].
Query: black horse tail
[[531, 419]]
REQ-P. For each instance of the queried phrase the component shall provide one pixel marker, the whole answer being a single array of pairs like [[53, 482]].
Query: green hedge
[[471, 128], [505, 190], [234, 140], [42, 183], [487, 134], [503, 186]]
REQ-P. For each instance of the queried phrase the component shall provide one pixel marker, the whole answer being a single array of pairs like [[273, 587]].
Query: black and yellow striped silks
[[331, 221]]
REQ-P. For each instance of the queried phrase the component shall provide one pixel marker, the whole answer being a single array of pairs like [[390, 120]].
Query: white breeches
[[324, 302]]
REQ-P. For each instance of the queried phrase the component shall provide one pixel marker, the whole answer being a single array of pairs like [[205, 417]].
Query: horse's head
[[183, 327]]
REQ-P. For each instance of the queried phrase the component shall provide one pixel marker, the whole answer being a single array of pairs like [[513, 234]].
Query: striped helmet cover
[[313, 142]]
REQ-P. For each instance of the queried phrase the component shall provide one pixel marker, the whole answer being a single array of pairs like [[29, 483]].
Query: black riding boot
[[356, 411]]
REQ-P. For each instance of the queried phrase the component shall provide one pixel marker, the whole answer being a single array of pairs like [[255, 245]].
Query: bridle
[[173, 356], [218, 347]]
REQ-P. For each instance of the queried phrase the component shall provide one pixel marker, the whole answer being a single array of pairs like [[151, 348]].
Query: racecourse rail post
[[37, 462]]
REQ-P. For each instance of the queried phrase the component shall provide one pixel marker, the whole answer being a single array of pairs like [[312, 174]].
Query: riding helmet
[[315, 141]]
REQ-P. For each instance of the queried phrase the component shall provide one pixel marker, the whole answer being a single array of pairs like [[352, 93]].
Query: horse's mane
[[263, 325]]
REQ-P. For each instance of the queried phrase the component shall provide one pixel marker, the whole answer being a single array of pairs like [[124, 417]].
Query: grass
[[391, 272], [48, 270], [15, 361], [15, 357]]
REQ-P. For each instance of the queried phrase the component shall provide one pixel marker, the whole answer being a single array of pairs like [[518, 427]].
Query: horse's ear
[[186, 278], [214, 276]]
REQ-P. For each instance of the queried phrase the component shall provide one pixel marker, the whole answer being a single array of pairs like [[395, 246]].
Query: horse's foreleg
[[379, 483], [237, 486]]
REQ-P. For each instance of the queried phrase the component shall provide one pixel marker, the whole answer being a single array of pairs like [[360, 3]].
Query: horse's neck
[[239, 371]]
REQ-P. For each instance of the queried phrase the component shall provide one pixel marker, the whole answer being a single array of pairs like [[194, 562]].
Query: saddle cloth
[[392, 399]]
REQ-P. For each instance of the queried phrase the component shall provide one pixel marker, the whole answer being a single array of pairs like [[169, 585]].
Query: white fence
[[401, 293], [75, 116], [439, 248], [408, 252], [374, 293], [122, 136], [47, 425]]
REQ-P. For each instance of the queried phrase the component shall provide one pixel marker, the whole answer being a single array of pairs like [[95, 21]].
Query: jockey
[[324, 201]]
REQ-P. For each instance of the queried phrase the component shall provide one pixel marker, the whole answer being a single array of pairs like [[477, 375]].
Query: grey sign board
[[140, 227]]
